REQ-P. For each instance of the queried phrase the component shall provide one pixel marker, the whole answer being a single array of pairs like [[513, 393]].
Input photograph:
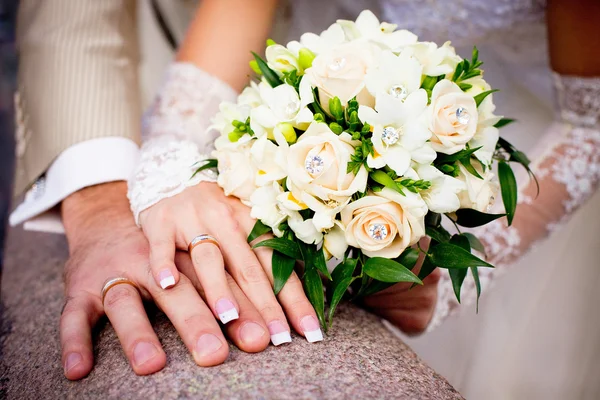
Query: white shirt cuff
[[84, 164]]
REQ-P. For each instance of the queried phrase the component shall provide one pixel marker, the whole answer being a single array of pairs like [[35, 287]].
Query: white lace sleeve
[[568, 170], [176, 135]]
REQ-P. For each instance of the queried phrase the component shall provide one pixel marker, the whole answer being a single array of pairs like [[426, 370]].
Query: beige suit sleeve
[[77, 78]]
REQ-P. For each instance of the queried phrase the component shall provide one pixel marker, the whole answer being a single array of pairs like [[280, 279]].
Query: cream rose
[[383, 224], [236, 171], [317, 165], [341, 72], [453, 118], [478, 194]]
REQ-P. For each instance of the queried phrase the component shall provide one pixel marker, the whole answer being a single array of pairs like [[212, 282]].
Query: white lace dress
[[519, 336]]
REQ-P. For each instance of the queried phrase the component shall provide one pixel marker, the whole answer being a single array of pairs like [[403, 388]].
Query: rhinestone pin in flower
[[378, 231], [462, 116], [398, 91], [314, 165], [337, 64], [390, 135]]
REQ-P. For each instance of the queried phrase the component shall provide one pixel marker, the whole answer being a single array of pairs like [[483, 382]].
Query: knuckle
[[207, 254], [252, 273], [270, 310], [118, 296], [225, 210]]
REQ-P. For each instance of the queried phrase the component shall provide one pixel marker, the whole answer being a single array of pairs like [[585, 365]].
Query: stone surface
[[359, 358]]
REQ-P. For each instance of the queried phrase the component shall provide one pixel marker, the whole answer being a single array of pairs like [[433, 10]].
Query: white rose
[[436, 60], [384, 224], [479, 194], [236, 171], [453, 117], [341, 72], [442, 195], [318, 162]]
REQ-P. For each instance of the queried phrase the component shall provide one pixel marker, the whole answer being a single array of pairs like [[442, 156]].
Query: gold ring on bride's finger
[[109, 284], [201, 239]]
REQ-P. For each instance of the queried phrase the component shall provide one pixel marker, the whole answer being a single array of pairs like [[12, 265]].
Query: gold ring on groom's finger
[[109, 284], [201, 239]]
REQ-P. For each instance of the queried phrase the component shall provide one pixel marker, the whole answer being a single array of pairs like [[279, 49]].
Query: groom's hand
[[105, 243]]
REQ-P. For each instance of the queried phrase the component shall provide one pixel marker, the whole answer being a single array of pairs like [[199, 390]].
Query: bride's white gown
[[536, 333]]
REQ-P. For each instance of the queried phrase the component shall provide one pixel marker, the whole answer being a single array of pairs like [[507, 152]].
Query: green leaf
[[457, 275], [475, 273], [376, 286], [470, 218], [503, 122], [508, 185], [479, 98], [448, 158], [464, 86], [409, 258], [438, 233], [344, 270], [209, 163], [314, 291], [258, 230], [283, 266], [429, 82], [447, 255], [385, 180], [314, 258], [426, 268], [339, 290], [466, 162], [387, 270], [284, 246], [457, 71], [270, 75], [474, 242]]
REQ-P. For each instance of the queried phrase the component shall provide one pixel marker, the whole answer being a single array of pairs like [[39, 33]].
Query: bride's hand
[[204, 209]]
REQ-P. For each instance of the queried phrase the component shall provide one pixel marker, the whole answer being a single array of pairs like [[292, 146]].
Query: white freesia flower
[[282, 104], [368, 27], [334, 242], [281, 58], [384, 224], [229, 112], [340, 72], [436, 60], [400, 132], [325, 212], [236, 171], [269, 159], [318, 162], [326, 41], [479, 194], [266, 207], [442, 195], [250, 96], [304, 229], [395, 75], [453, 117]]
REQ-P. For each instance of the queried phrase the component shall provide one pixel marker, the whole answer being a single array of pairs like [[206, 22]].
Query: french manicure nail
[[311, 328], [226, 310], [251, 331], [166, 279], [207, 344], [279, 333], [143, 352], [72, 360]]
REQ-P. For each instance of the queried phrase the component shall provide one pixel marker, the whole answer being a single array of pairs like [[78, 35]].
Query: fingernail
[[311, 328], [166, 279], [251, 332], [208, 344], [226, 311], [72, 360], [143, 352], [279, 333]]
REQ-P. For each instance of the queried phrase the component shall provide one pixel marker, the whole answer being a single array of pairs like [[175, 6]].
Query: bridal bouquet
[[352, 145]]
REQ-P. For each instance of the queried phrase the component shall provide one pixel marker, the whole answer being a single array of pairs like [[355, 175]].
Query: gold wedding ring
[[114, 282], [201, 239]]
